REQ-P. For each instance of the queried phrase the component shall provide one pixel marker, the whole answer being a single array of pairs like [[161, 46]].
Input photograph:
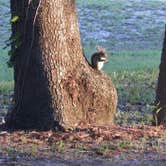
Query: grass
[[120, 4], [133, 61], [122, 25], [136, 93], [6, 74], [122, 61], [6, 87], [94, 3], [137, 85]]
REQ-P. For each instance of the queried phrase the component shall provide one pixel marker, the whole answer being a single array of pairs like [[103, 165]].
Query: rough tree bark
[[160, 112], [54, 84]]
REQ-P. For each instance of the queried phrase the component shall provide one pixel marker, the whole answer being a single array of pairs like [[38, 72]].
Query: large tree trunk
[[54, 84], [160, 112]]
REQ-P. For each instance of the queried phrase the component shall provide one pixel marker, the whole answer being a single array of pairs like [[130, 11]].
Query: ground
[[108, 144], [132, 33]]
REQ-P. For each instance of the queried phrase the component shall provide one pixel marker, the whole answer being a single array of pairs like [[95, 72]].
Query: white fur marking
[[100, 65]]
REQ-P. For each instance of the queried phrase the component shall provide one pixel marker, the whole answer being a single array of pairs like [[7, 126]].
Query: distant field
[[122, 25]]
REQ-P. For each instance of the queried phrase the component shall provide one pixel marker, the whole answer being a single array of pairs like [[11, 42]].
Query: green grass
[[133, 61], [6, 74], [124, 61], [122, 25], [6, 87], [120, 3], [155, 3], [136, 94], [136, 86], [104, 3]]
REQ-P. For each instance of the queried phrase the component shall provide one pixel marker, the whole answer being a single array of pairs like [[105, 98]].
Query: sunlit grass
[[6, 74], [6, 87], [124, 61]]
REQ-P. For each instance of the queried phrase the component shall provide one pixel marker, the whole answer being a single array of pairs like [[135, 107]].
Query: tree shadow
[[3, 127]]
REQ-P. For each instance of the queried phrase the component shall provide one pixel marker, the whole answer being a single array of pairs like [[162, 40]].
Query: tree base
[[90, 99]]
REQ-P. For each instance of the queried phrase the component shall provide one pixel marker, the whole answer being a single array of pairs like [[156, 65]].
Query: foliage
[[15, 19]]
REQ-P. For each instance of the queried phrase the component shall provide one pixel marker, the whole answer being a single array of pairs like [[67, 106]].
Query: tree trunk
[[160, 112], [54, 84]]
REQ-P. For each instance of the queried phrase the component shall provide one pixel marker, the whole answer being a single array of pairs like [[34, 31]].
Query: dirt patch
[[112, 143]]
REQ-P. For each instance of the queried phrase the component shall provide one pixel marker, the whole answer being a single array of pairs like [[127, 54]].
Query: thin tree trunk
[[55, 84], [160, 112]]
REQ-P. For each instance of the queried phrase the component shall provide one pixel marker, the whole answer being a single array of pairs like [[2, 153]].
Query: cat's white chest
[[100, 65]]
